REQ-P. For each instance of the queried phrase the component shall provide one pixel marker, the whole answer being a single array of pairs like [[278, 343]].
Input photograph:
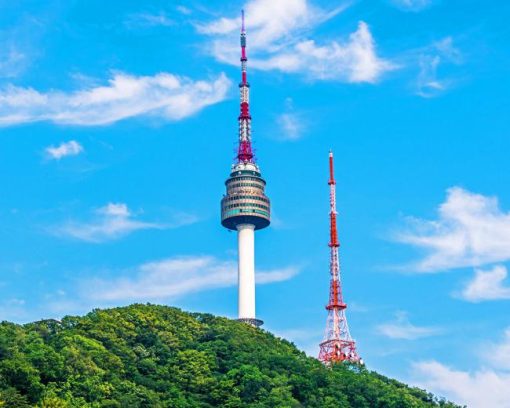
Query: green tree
[[156, 356], [11, 398]]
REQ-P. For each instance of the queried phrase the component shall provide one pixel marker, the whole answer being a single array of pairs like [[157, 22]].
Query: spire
[[335, 298], [331, 171], [332, 201], [244, 151], [243, 50]]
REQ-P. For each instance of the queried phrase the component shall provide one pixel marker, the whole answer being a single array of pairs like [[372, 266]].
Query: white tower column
[[246, 270]]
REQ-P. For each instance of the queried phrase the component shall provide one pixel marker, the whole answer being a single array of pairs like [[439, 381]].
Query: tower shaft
[[338, 344], [246, 273]]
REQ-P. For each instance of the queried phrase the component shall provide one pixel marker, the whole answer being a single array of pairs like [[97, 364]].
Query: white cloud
[[412, 5], [163, 95], [290, 125], [12, 61], [276, 275], [480, 389], [115, 209], [269, 21], [112, 222], [498, 354], [277, 42], [184, 10], [401, 328], [290, 122], [446, 48], [471, 230], [16, 301], [175, 277], [352, 61], [71, 148], [149, 20], [13, 309], [428, 84], [487, 285]]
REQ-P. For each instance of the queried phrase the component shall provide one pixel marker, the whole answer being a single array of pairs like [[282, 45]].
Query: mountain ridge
[[146, 355]]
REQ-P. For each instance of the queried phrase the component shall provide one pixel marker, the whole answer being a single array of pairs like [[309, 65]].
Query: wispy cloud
[[402, 328], [148, 20], [270, 21], [125, 96], [354, 60], [175, 277], [290, 122], [412, 5], [478, 389], [71, 148], [111, 222], [448, 50], [278, 42], [12, 61], [487, 285], [276, 275], [471, 230], [498, 354], [184, 10], [13, 309], [488, 386], [429, 84]]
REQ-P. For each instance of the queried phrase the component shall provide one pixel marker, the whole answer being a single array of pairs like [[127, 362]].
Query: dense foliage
[[158, 356]]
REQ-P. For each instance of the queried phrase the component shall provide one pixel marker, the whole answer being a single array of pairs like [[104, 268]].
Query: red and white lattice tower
[[338, 345]]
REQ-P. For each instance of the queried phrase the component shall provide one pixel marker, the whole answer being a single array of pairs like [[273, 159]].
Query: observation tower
[[245, 208]]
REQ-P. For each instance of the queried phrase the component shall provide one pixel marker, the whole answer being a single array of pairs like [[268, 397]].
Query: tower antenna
[[337, 345], [245, 150]]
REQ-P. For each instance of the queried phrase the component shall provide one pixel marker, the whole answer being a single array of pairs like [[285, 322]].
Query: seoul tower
[[245, 208], [338, 345]]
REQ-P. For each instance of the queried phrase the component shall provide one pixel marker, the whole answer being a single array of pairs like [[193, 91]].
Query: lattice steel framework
[[337, 345]]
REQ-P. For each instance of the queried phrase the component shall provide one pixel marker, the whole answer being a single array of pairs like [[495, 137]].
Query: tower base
[[252, 322], [338, 350]]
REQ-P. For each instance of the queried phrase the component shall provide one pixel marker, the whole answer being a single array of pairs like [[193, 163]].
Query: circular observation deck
[[245, 201]]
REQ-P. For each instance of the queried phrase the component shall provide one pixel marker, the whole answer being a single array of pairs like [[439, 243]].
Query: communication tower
[[338, 344], [245, 208]]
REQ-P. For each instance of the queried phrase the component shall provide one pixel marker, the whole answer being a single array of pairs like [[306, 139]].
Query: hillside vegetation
[[158, 356]]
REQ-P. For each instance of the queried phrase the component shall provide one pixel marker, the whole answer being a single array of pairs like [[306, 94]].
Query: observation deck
[[245, 201]]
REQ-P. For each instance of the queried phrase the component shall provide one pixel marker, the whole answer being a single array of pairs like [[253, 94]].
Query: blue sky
[[118, 126]]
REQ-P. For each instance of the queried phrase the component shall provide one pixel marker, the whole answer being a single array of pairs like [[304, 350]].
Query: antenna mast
[[244, 151], [338, 344]]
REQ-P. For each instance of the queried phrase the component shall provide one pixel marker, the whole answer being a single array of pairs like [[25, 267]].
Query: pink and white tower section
[[245, 208]]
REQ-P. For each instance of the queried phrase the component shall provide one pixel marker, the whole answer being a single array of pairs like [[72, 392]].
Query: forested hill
[[158, 356]]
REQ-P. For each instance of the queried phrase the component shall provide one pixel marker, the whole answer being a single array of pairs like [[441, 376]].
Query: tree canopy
[[159, 356]]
